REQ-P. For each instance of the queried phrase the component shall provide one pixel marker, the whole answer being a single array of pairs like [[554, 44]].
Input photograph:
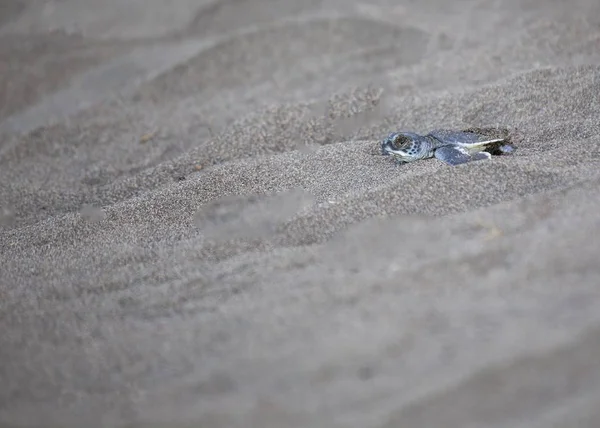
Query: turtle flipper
[[452, 155], [481, 156]]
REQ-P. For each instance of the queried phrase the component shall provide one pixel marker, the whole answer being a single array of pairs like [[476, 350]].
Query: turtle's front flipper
[[452, 155], [481, 156]]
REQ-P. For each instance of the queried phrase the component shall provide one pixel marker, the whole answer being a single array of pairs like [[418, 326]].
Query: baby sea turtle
[[452, 147]]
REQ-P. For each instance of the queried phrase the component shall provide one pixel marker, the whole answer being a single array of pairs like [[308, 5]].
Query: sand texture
[[197, 228]]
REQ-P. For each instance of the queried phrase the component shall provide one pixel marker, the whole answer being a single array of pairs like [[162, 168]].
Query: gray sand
[[197, 229]]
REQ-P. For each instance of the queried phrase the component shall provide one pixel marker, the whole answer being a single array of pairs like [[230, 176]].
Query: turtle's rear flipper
[[501, 149], [452, 155]]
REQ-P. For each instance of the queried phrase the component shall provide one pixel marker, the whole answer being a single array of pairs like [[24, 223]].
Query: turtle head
[[404, 146]]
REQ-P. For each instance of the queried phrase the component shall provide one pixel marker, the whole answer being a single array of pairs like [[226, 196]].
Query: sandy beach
[[197, 227]]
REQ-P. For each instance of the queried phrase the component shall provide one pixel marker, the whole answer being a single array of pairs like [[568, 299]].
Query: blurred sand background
[[197, 229]]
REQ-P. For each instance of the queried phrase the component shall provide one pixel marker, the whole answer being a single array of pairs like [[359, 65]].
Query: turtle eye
[[402, 142]]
